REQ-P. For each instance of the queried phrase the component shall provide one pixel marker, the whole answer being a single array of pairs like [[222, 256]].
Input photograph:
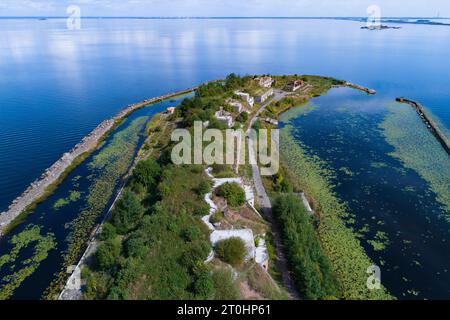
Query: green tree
[[127, 212], [203, 188], [231, 251], [147, 173], [107, 254], [225, 286], [233, 193], [312, 270], [108, 232], [243, 117]]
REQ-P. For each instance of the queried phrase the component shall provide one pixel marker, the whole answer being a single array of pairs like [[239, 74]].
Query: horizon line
[[221, 17]]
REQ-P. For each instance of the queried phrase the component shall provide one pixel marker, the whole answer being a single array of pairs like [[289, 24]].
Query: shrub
[[147, 173], [191, 233], [107, 254], [108, 232], [217, 217], [243, 117], [233, 193], [231, 251], [226, 288], [203, 188], [201, 211], [127, 213], [312, 269], [204, 286]]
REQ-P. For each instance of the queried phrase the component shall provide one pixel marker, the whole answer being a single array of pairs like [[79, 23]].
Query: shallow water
[[385, 197], [59, 219]]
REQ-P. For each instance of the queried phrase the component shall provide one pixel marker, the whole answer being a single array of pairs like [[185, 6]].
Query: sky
[[171, 8]]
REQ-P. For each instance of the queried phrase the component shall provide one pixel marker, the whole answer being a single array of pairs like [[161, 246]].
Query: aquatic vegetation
[[20, 242], [114, 160], [418, 150], [60, 203], [296, 112], [348, 258], [73, 196], [380, 242], [378, 165], [347, 171]]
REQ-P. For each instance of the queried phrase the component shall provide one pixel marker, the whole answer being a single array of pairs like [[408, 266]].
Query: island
[[156, 228], [221, 231]]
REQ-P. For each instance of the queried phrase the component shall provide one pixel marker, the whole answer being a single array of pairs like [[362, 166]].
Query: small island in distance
[[380, 27]]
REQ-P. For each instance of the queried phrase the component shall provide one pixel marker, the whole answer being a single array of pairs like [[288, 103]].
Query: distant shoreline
[[386, 19]]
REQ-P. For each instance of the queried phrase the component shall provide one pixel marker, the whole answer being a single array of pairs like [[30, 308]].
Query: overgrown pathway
[[266, 207]]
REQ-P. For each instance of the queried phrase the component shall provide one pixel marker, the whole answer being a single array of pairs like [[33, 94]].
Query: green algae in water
[[293, 113], [349, 260], [109, 165], [30, 237], [417, 148], [73, 196], [380, 242]]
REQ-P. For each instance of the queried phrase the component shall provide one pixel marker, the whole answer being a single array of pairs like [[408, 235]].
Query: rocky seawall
[[37, 189], [361, 88], [429, 122]]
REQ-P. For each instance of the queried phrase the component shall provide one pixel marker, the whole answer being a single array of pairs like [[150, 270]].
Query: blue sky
[[224, 7]]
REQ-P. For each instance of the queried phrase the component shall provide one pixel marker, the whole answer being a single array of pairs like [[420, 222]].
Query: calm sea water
[[56, 85]]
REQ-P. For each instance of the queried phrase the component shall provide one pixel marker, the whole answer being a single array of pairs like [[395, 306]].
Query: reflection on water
[[56, 85]]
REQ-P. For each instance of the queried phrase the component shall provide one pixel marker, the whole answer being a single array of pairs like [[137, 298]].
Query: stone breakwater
[[50, 176], [429, 122], [361, 88]]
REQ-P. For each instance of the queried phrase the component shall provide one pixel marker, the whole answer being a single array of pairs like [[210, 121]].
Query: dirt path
[[266, 207]]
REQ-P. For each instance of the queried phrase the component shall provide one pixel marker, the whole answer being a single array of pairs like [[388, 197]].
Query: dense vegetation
[[208, 99], [154, 246], [312, 270], [231, 251], [233, 193]]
